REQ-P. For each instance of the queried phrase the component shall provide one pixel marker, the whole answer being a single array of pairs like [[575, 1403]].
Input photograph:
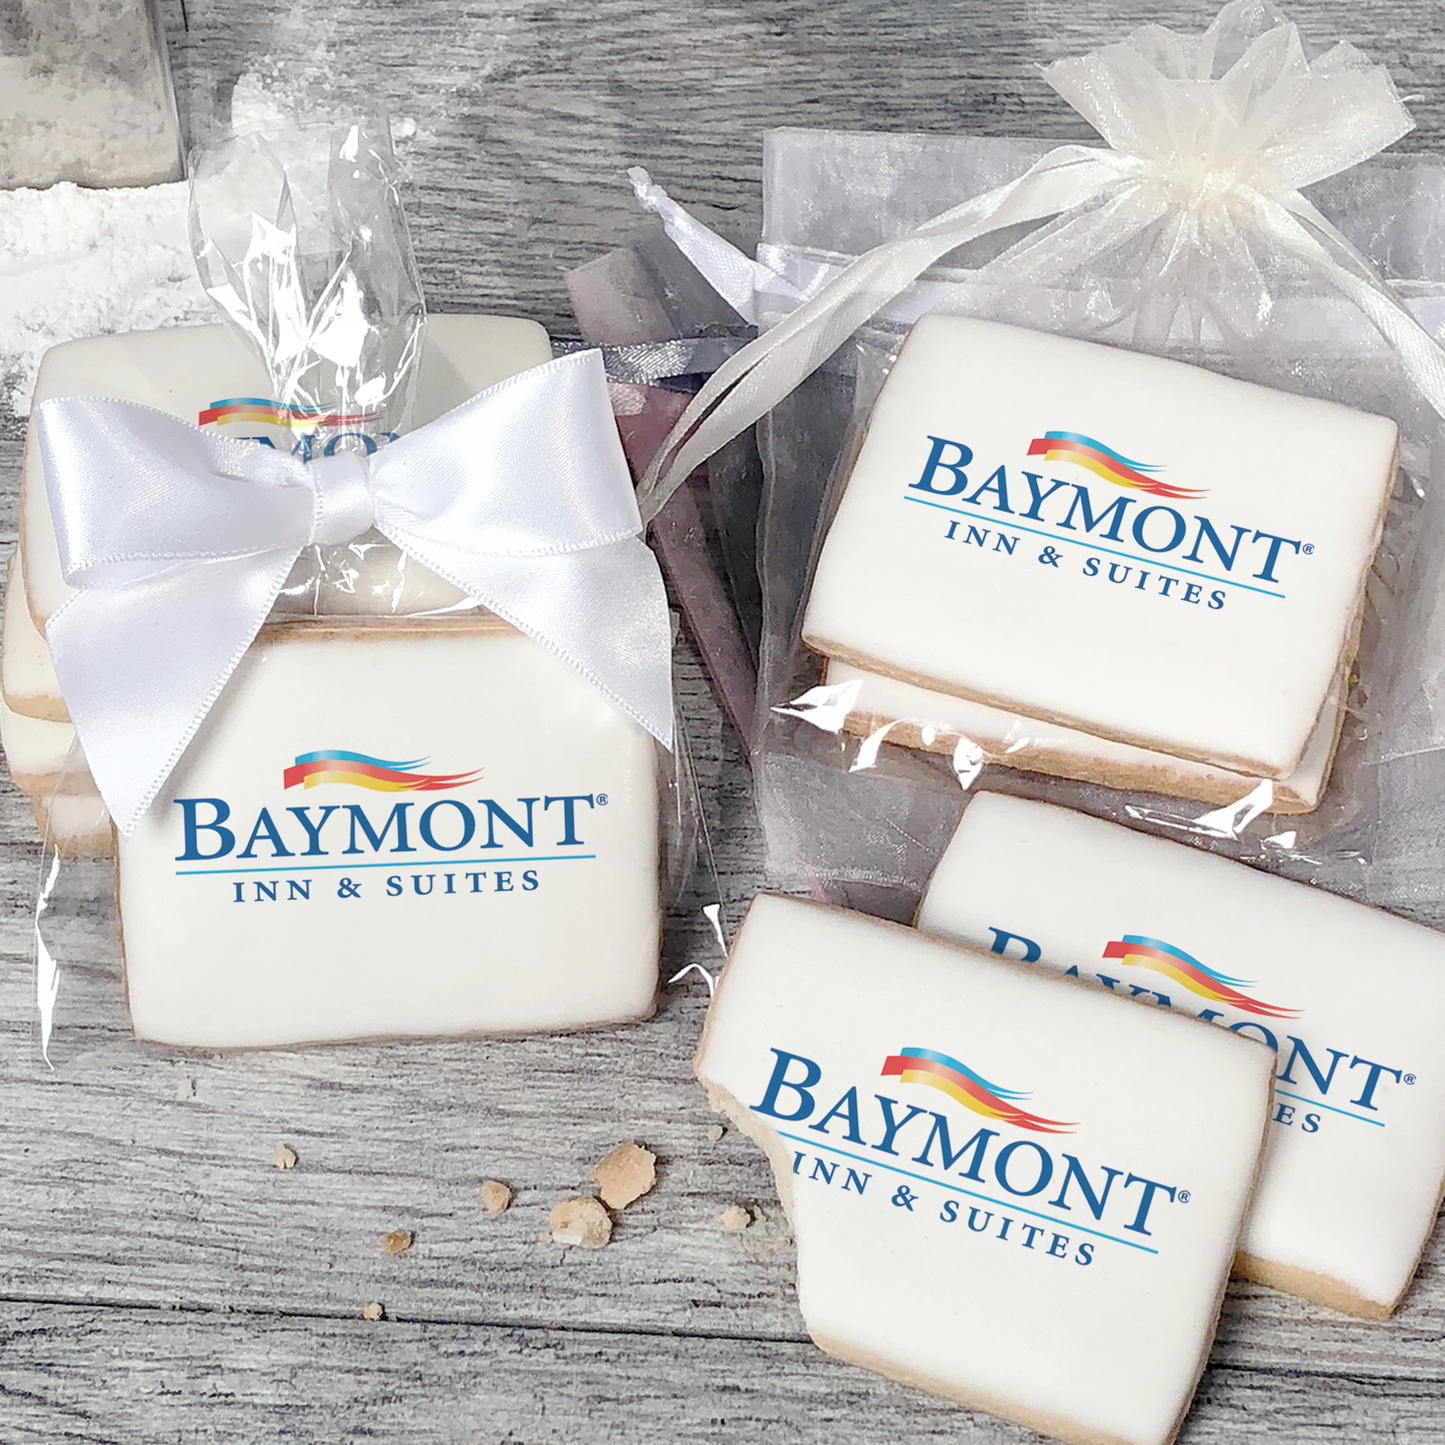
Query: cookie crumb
[[734, 1219], [285, 1157], [495, 1196], [626, 1174], [373, 1312], [580, 1221], [715, 1133], [397, 1242], [544, 1238], [186, 1089]]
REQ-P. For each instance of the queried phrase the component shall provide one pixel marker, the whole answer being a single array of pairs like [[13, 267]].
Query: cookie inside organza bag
[[1041, 454]]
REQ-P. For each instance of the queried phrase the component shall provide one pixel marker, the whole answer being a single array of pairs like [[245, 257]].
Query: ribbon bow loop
[[205, 496], [430, 476], [178, 542]]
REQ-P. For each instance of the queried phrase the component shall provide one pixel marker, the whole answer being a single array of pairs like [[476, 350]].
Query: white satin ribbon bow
[[179, 540], [1209, 139]]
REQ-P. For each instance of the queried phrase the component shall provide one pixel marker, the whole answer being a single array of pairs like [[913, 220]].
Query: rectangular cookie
[[984, 1166], [392, 829], [1353, 1000], [936, 722], [1113, 542]]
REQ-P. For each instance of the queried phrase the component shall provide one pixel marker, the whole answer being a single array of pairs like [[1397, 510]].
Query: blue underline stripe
[[1315, 1104], [405, 863], [972, 1193], [1094, 547]]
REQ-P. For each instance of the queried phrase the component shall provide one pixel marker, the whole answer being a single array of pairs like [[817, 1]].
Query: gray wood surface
[[100, 1375], [160, 1280]]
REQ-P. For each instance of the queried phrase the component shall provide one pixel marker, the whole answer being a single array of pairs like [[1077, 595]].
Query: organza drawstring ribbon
[[1200, 185], [521, 498]]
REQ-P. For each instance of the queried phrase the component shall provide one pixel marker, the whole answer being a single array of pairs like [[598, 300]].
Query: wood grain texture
[[108, 1376], [160, 1279], [527, 113]]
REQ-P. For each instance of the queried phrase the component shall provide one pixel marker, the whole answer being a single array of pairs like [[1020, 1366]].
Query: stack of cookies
[[388, 824], [1021, 1164], [1102, 565], [206, 375]]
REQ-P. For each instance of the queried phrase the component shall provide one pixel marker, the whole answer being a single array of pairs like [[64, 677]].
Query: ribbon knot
[[345, 508], [1191, 213], [178, 542]]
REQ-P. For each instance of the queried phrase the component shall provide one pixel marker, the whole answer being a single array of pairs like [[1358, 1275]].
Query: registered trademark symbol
[[602, 800], [1409, 1078], [1308, 549], [1183, 1196]]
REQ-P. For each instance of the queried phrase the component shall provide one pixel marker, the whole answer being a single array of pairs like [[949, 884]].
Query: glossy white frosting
[[1089, 1323], [1356, 1158], [480, 931], [946, 567]]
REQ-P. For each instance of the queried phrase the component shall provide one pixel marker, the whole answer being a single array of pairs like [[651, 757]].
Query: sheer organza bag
[[1239, 219]]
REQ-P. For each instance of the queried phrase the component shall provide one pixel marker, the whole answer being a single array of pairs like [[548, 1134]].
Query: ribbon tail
[[749, 384], [734, 275], [141, 666], [602, 610], [1292, 225]]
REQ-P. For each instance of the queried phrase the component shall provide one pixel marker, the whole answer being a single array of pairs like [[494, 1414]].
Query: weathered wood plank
[[103, 1377], [527, 115], [119, 1191], [133, 1195]]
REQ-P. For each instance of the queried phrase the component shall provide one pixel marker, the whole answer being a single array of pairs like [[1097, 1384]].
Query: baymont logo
[[1197, 977], [973, 1091], [1071, 446], [256, 409], [361, 770], [316, 429], [1321, 1066], [918, 1145], [1020, 502]]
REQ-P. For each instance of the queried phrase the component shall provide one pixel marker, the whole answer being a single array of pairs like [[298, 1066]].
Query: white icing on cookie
[[498, 874], [27, 676], [1001, 1185], [1353, 998], [936, 722], [1106, 540], [38, 754], [77, 825]]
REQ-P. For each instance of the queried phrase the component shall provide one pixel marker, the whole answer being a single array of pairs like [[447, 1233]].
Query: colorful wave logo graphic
[[1072, 446], [958, 1081], [361, 770], [258, 410], [1196, 977]]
